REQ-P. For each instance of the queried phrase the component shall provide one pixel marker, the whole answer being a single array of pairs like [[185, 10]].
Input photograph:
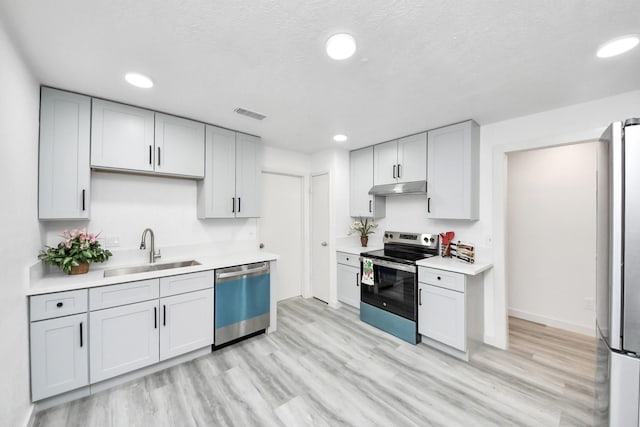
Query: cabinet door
[[123, 339], [453, 172], [59, 359], [349, 285], [64, 171], [362, 204], [121, 136], [248, 176], [412, 158], [441, 315], [179, 145], [385, 163], [186, 323], [217, 192]]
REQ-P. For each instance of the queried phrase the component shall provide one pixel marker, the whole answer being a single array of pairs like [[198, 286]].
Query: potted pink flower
[[74, 254]]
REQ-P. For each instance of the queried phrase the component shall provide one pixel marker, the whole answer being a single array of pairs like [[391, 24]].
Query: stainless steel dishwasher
[[242, 301]]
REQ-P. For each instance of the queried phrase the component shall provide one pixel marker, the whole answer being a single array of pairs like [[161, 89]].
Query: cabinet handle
[[81, 342], [239, 205], [357, 279], [369, 205], [439, 278], [398, 170], [158, 156], [428, 204], [394, 172], [155, 317], [164, 315], [233, 204], [150, 154], [83, 194], [59, 304], [420, 296]]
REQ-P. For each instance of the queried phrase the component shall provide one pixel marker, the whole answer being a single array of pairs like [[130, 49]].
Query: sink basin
[[149, 267]]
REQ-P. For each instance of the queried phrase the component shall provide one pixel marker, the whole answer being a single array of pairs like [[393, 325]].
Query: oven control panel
[[418, 239]]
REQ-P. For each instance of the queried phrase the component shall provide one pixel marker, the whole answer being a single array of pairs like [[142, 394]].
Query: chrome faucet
[[153, 255]]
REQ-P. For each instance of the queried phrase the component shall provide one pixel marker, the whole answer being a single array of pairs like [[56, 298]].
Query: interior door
[[281, 228], [320, 237]]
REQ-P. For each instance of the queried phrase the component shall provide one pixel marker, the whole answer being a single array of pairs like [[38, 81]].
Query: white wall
[[551, 214], [19, 230]]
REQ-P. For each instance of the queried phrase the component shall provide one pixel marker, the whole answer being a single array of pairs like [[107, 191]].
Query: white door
[[59, 359], [179, 146], [248, 176], [123, 339], [281, 229], [122, 136], [412, 158], [186, 323], [320, 237]]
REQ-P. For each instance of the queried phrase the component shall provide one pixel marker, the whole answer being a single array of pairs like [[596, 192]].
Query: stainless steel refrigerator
[[618, 276]]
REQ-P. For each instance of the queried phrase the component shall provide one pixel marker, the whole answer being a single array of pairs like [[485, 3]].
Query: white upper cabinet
[[362, 204], [403, 160], [385, 163], [248, 176], [122, 137], [412, 158], [231, 187], [453, 171], [64, 172], [179, 146], [135, 139]]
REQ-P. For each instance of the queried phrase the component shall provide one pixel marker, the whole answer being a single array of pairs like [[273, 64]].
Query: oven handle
[[394, 265]]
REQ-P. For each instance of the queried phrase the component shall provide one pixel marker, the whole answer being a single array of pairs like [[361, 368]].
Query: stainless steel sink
[[149, 267]]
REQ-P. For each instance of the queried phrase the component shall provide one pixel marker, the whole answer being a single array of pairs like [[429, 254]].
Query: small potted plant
[[74, 254], [364, 227]]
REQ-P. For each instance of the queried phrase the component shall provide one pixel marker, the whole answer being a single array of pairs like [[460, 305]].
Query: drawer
[[59, 304], [124, 293], [441, 278], [348, 259], [174, 285]]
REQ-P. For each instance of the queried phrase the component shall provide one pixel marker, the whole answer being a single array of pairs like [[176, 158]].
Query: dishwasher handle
[[226, 274]]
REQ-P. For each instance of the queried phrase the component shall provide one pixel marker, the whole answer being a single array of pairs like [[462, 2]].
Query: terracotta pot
[[364, 240], [82, 268]]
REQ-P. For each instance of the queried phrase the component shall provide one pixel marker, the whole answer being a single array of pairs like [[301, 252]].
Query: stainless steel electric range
[[389, 283]]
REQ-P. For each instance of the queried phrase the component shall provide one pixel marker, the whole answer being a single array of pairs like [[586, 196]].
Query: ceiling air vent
[[249, 113]]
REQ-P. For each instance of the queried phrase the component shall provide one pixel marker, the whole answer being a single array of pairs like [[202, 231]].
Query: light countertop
[[353, 247], [60, 281], [455, 265]]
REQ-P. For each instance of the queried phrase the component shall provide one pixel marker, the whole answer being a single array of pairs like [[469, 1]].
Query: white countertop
[[353, 246], [60, 281], [455, 265]]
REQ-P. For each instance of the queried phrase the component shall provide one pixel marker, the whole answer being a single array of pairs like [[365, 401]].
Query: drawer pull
[[439, 278], [59, 304]]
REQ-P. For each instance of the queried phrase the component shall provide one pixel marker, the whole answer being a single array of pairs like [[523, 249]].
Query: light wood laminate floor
[[323, 367]]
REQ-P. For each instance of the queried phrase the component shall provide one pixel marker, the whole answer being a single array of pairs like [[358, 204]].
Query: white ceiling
[[419, 64]]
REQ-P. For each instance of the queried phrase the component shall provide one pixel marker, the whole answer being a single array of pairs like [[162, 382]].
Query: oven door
[[394, 288]]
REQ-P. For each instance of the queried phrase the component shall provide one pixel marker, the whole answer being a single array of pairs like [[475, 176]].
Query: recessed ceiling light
[[138, 80], [341, 46], [340, 138], [618, 45]]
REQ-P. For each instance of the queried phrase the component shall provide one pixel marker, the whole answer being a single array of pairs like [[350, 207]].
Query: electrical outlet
[[110, 241], [589, 304]]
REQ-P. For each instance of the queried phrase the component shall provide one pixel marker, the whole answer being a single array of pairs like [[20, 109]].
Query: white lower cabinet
[[348, 272], [187, 323], [59, 355], [441, 313], [123, 339], [450, 311]]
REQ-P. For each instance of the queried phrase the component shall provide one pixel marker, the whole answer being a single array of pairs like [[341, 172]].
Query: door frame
[[305, 280]]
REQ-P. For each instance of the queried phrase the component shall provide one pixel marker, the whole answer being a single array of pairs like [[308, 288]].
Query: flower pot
[[81, 268], [364, 240]]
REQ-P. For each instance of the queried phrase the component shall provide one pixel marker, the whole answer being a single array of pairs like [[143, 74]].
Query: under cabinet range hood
[[413, 187]]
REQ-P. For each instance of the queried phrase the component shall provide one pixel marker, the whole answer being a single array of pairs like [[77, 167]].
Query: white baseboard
[[555, 323]]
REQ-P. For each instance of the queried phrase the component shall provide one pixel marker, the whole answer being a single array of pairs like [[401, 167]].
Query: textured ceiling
[[419, 64]]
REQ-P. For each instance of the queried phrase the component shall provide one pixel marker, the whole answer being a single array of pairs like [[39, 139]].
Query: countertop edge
[[455, 266]]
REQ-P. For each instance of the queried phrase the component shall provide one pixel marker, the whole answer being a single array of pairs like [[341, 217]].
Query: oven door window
[[393, 291]]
